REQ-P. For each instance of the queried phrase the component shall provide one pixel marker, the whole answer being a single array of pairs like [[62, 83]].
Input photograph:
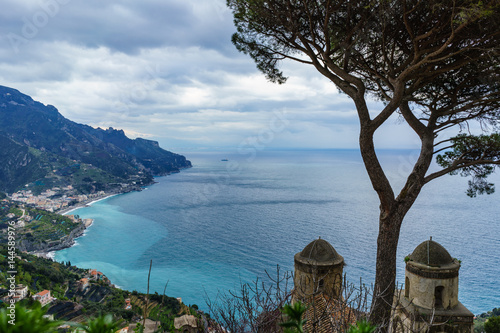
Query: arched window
[[438, 297], [407, 287], [321, 284]]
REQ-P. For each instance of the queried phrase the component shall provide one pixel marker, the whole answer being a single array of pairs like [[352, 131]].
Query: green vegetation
[[42, 148], [492, 313], [86, 306], [45, 225], [100, 324], [434, 69], [44, 170], [88, 179], [482, 147], [39, 273], [492, 325], [12, 155], [295, 324], [362, 326], [60, 171], [480, 321], [294, 312], [26, 320], [40, 230]]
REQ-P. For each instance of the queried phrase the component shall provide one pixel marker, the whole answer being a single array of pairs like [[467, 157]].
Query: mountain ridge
[[55, 141]]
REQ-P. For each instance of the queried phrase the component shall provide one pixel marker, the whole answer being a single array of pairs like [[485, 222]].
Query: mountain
[[18, 165], [37, 142]]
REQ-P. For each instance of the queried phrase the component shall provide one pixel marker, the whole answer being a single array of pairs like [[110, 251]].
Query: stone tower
[[318, 269], [430, 297]]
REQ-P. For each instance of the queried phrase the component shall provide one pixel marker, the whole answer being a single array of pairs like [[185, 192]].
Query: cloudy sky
[[166, 70]]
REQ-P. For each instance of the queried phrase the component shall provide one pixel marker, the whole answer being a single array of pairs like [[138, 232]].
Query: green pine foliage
[[468, 150]]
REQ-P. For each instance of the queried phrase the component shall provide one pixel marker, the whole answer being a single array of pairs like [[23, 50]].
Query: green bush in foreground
[[22, 320], [100, 324], [294, 313], [362, 327]]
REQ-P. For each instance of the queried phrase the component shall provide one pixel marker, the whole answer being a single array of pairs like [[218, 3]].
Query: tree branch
[[458, 167]]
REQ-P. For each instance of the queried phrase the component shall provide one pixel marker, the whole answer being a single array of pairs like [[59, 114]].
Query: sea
[[234, 218]]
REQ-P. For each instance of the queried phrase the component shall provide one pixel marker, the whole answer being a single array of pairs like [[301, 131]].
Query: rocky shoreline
[[43, 249]]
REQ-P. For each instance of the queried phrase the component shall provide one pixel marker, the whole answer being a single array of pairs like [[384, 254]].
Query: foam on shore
[[83, 205]]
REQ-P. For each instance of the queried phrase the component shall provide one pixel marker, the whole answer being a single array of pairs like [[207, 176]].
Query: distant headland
[[41, 150], [50, 165]]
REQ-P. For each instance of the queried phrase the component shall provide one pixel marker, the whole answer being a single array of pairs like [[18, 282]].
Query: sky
[[166, 70]]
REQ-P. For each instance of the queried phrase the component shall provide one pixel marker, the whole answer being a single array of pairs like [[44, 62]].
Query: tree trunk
[[390, 220], [385, 276]]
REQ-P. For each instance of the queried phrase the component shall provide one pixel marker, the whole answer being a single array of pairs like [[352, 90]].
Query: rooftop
[[319, 252], [431, 253], [44, 292]]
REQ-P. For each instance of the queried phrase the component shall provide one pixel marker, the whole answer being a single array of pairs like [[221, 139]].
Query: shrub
[[362, 326], [100, 324], [492, 325], [26, 322]]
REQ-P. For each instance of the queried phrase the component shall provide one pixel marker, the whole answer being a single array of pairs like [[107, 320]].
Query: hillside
[[18, 165], [37, 142], [78, 294]]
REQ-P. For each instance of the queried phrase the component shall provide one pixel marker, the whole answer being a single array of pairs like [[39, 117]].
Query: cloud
[[121, 26], [165, 70]]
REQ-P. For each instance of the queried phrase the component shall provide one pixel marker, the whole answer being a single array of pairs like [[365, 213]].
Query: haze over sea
[[222, 222]]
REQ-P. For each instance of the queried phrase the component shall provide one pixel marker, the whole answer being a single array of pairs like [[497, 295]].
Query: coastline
[[86, 223], [86, 203], [49, 253]]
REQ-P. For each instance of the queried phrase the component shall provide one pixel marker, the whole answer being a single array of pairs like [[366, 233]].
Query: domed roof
[[431, 253], [319, 251]]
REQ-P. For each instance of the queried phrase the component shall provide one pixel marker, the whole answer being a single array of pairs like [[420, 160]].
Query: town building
[[96, 275], [20, 293], [429, 301], [318, 284], [43, 297], [318, 270], [83, 284]]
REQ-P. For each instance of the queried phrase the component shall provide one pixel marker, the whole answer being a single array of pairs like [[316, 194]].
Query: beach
[[86, 203]]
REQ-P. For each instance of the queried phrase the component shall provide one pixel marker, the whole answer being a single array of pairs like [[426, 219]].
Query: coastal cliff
[[43, 246], [39, 231]]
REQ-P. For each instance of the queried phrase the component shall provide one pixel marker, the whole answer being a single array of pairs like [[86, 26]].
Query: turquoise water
[[219, 223]]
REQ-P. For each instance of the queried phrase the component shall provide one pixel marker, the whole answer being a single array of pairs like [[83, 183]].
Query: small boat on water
[[224, 160]]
